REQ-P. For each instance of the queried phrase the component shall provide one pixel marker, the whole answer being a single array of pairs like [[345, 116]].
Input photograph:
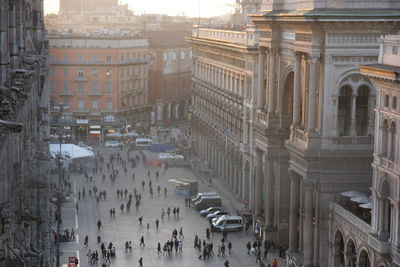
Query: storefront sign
[[80, 121], [95, 127]]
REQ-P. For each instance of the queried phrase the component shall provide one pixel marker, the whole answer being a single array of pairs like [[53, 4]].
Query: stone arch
[[350, 252], [385, 209], [338, 260], [362, 109], [344, 109], [363, 259], [286, 106]]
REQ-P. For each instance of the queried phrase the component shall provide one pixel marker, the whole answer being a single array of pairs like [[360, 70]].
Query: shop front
[[95, 133]]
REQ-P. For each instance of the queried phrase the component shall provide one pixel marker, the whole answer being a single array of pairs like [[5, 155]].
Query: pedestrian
[[248, 246], [258, 256], [122, 207], [141, 262], [142, 241], [79, 195], [168, 211], [208, 233], [265, 253], [157, 222], [148, 226], [133, 176], [140, 220], [143, 184], [165, 191], [226, 264], [76, 207], [177, 212], [181, 233], [85, 244], [230, 247], [180, 246], [158, 248], [274, 263], [148, 173], [98, 225], [162, 213]]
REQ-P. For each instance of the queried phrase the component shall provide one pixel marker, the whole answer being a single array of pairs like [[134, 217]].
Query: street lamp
[[59, 196]]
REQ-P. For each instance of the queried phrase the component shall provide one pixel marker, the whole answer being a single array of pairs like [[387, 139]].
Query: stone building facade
[[308, 123], [374, 242], [313, 132], [24, 124], [103, 80]]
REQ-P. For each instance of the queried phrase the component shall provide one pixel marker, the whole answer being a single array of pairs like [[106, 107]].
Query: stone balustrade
[[249, 37]]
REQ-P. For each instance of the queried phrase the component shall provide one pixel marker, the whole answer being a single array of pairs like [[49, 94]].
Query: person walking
[[157, 222], [230, 247], [274, 263], [122, 207], [148, 226], [142, 242], [141, 262], [162, 213], [181, 233], [226, 263], [140, 220], [248, 246], [85, 244], [98, 225], [158, 248]]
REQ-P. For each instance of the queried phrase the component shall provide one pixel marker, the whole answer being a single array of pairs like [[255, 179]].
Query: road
[[125, 226]]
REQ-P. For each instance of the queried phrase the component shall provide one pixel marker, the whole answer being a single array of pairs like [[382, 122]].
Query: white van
[[228, 223], [200, 195]]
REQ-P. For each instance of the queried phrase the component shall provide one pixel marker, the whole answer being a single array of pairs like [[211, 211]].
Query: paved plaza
[[125, 226]]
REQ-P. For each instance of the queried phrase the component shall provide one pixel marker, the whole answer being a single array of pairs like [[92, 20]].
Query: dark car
[[210, 210], [216, 214]]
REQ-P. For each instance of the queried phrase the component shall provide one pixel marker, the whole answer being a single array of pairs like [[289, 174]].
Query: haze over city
[[208, 8]]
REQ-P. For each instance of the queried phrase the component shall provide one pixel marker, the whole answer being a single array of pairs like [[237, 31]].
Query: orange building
[[103, 81]]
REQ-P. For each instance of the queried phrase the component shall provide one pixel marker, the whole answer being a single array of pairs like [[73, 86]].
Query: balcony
[[81, 79], [248, 37], [94, 93], [66, 93], [387, 163]]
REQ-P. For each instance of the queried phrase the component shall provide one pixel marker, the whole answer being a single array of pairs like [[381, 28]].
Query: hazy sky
[[170, 7]]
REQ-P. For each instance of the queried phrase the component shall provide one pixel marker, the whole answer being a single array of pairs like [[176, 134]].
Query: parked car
[[228, 223], [163, 129], [112, 144], [210, 210], [216, 214]]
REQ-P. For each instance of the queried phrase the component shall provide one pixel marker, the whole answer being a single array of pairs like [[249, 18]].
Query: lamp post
[[58, 198]]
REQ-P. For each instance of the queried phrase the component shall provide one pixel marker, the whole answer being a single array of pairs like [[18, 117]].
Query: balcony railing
[[388, 164], [81, 79], [232, 36], [66, 93], [94, 93]]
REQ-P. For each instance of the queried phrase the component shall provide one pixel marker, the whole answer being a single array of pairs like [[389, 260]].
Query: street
[[125, 226]]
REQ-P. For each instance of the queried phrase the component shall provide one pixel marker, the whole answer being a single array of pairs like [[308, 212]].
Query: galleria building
[[301, 106]]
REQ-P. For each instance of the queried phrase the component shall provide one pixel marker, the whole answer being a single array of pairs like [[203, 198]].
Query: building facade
[[24, 181], [315, 120], [224, 83], [103, 81], [170, 75], [374, 242]]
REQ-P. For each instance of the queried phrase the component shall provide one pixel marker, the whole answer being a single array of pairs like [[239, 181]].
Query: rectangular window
[[109, 88], [52, 87], [108, 59], [95, 104], [81, 88], [67, 87], [81, 104], [80, 58], [81, 73], [95, 86], [66, 58], [66, 73], [108, 104], [165, 56], [95, 73], [95, 58]]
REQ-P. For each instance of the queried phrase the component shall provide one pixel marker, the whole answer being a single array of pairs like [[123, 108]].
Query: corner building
[[314, 123]]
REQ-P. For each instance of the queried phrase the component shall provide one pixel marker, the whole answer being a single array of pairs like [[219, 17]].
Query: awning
[[70, 151]]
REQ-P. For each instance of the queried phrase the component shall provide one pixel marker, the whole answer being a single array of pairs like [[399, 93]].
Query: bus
[[143, 143]]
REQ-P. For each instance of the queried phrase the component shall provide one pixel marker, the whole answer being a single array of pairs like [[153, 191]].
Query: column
[[296, 90], [258, 189], [353, 104], [308, 247], [261, 78], [312, 94], [269, 192], [271, 81], [235, 177], [294, 209]]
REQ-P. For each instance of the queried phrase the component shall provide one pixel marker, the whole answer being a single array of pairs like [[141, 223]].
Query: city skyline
[[208, 8]]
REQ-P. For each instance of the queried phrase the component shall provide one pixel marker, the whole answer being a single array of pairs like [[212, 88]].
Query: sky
[[190, 8]]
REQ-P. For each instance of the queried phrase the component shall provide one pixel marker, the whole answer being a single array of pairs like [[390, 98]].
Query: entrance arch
[[338, 250], [385, 211], [351, 256], [363, 261]]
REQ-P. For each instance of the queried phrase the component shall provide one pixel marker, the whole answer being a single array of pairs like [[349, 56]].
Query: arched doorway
[[287, 102], [344, 110], [351, 256], [364, 259], [338, 250]]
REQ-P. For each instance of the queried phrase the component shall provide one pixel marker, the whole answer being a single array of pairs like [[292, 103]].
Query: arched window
[[344, 110], [385, 212], [385, 138], [362, 102], [392, 141]]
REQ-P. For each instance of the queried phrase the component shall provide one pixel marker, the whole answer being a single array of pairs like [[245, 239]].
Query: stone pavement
[[125, 226]]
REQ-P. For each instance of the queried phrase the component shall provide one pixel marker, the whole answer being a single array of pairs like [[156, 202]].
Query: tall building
[[102, 79], [170, 74], [315, 122], [368, 235], [24, 181]]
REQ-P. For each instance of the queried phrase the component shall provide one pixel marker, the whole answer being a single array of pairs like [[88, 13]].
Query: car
[[210, 210], [112, 144], [218, 213], [227, 223]]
